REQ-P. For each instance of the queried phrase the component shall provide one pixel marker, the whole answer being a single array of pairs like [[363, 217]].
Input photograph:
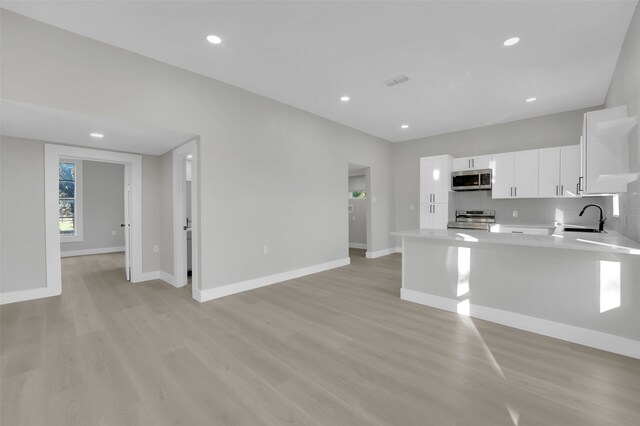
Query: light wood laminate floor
[[335, 348]]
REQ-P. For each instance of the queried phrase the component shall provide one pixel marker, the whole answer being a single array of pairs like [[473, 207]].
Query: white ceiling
[[28, 121], [309, 53]]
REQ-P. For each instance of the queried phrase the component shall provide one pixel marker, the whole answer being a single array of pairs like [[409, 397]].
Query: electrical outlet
[[113, 233], [410, 206], [353, 218], [156, 249], [374, 199], [515, 213], [265, 250]]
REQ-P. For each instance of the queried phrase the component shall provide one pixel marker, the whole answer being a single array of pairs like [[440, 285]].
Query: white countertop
[[610, 242]]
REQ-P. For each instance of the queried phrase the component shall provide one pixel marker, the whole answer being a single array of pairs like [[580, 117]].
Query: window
[[70, 200], [358, 194]]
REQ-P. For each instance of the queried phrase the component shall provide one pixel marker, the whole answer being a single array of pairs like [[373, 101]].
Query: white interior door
[[127, 221]]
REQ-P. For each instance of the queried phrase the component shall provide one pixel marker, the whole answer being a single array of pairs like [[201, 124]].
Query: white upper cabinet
[[569, 170], [515, 175], [559, 170], [471, 163], [605, 151], [502, 184], [435, 176], [549, 173]]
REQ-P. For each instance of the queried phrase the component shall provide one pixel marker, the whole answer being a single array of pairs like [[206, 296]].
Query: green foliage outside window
[[67, 198]]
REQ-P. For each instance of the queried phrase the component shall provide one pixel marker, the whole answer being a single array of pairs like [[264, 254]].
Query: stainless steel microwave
[[471, 180]]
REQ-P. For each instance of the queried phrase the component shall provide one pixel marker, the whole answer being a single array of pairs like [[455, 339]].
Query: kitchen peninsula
[[579, 287]]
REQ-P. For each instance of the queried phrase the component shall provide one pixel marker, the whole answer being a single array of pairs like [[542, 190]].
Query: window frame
[[78, 216]]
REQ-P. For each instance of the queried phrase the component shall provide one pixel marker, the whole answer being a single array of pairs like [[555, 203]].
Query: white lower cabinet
[[434, 216]]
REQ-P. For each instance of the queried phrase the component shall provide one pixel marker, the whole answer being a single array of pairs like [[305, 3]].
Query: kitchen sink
[[580, 229]]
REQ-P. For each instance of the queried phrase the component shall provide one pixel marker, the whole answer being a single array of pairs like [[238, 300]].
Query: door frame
[[179, 216], [52, 155]]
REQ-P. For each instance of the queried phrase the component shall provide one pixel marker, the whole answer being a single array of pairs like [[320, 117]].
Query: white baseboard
[[168, 278], [146, 276], [358, 246], [385, 252], [592, 338], [155, 275], [23, 295], [103, 250], [229, 289]]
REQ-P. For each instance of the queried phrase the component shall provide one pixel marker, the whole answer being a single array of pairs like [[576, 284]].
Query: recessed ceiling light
[[189, 156], [96, 135], [531, 100], [345, 99], [214, 39], [511, 41], [404, 126]]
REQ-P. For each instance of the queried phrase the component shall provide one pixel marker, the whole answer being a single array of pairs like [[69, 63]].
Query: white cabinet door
[[425, 215], [549, 173], [569, 170], [439, 216], [502, 175], [525, 174], [434, 216], [426, 184], [461, 164], [481, 162], [440, 179], [471, 163]]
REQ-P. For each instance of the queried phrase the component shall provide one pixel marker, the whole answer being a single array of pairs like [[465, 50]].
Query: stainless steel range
[[473, 219]]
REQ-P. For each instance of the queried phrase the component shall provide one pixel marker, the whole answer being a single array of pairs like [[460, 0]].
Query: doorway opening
[[359, 209], [95, 209], [185, 217], [132, 208]]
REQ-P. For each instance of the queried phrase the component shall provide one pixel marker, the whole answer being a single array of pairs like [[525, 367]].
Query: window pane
[[67, 226], [67, 189], [66, 208], [67, 171]]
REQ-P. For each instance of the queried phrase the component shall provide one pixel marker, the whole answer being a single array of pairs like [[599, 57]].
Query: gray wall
[[358, 219], [151, 212], [625, 90], [266, 170], [102, 205], [23, 247], [22, 264], [540, 132], [166, 213]]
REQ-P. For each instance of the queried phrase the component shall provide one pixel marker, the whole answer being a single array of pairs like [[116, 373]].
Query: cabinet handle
[[556, 190], [469, 163], [580, 188], [511, 192], [473, 162], [561, 189], [515, 191], [434, 198]]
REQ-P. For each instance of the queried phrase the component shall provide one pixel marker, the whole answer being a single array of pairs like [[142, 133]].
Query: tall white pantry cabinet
[[435, 177]]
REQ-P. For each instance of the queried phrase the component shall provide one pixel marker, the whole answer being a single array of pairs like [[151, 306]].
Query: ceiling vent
[[396, 80]]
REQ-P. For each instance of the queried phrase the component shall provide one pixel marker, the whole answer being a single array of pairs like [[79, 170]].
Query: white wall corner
[[168, 278], [145, 276], [239, 287]]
